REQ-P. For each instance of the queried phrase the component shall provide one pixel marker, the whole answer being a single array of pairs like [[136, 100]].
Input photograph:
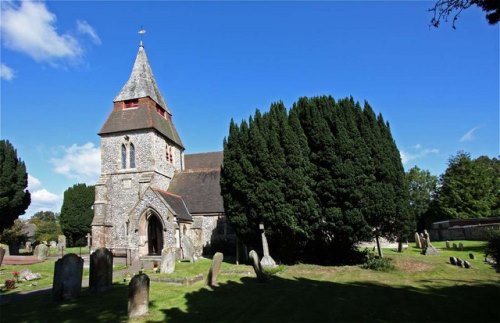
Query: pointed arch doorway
[[155, 235]]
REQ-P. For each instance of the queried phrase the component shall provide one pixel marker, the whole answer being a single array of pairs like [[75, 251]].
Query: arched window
[[124, 156], [132, 156]]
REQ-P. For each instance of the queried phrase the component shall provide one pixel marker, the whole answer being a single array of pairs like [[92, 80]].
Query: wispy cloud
[[82, 163], [6, 73], [470, 135], [30, 28], [416, 152], [83, 27]]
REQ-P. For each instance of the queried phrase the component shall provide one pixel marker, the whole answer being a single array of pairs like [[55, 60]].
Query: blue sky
[[63, 63]]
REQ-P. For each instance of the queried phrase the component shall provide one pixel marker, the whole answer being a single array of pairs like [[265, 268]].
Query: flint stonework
[[168, 260], [138, 295], [214, 269], [67, 282], [101, 270]]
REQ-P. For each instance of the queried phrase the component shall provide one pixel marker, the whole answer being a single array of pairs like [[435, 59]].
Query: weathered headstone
[[430, 250], [461, 246], [167, 260], [28, 247], [188, 250], [447, 244], [6, 248], [471, 256], [423, 241], [2, 254], [453, 261], [267, 261], [467, 264], [67, 278], [89, 237], [53, 244], [455, 247], [460, 262], [41, 252], [214, 269], [254, 258], [427, 239], [61, 241], [417, 240], [101, 270], [138, 295]]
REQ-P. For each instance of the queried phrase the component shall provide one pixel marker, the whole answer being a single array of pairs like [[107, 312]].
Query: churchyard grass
[[421, 288]]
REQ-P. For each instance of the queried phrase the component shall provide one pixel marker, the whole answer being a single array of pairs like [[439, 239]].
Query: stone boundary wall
[[467, 232]]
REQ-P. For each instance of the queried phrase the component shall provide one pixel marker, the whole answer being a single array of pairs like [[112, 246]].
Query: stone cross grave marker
[[41, 252], [417, 240], [167, 260], [101, 270], [254, 258], [67, 282], [267, 261], [138, 295], [2, 254], [215, 269]]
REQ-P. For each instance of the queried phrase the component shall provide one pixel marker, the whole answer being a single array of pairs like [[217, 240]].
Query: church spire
[[141, 82]]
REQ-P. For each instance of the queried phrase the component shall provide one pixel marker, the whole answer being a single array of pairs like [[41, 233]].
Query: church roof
[[141, 82], [199, 184], [144, 117], [176, 203]]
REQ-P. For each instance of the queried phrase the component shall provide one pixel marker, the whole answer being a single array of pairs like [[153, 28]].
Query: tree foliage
[[14, 197], [443, 9], [469, 187], [422, 188], [321, 177], [47, 225], [76, 213]]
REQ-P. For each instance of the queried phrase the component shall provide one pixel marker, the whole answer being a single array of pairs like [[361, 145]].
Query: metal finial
[[142, 31]]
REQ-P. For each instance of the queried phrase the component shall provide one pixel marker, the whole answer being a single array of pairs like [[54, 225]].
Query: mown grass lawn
[[422, 288]]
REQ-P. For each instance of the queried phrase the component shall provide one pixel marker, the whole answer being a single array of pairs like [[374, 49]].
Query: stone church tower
[[140, 152]]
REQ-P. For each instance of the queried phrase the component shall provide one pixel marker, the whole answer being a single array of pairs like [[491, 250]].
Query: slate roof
[[211, 160], [141, 82], [143, 117], [176, 203]]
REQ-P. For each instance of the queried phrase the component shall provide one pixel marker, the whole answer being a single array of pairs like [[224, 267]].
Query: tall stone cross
[[267, 261]]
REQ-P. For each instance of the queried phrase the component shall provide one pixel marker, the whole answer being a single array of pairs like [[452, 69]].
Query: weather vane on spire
[[142, 31]]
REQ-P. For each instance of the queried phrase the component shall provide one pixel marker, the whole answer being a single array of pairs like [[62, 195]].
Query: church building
[[150, 193]]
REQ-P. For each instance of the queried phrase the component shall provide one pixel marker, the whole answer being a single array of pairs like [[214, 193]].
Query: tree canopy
[[76, 213], [321, 177], [14, 197], [443, 9], [47, 225], [422, 188]]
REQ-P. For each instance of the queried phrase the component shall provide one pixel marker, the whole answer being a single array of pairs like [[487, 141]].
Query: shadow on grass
[[306, 300]]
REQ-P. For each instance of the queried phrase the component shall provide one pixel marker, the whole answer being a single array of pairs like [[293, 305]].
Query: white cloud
[[417, 152], [82, 163], [469, 135], [33, 183], [30, 28], [86, 29], [6, 73]]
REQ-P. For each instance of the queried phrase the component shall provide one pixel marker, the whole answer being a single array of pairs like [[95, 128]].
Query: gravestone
[[267, 261], [2, 254], [89, 237], [6, 248], [254, 258], [61, 241], [423, 241], [138, 295], [167, 260], [453, 261], [28, 247], [460, 262], [53, 244], [430, 250], [471, 256], [417, 241], [214, 269], [455, 247], [41, 252], [188, 249], [67, 278], [447, 244], [467, 264], [101, 270], [427, 237], [461, 246]]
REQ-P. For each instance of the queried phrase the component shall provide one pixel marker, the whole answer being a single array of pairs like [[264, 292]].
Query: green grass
[[421, 288]]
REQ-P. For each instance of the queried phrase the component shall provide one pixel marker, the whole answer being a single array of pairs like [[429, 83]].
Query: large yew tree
[[76, 213], [14, 197], [321, 177]]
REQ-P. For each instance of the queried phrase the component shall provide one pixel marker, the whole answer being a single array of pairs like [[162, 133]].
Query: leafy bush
[[376, 263], [493, 246]]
